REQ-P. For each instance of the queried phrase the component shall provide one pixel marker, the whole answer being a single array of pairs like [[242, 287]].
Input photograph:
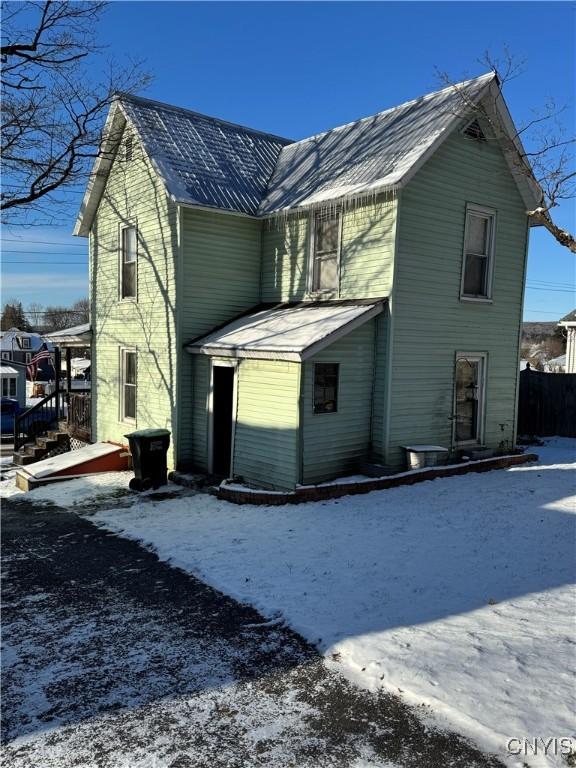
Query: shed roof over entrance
[[287, 332], [77, 336]]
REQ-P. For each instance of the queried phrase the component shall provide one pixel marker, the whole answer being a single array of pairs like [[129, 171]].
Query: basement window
[[479, 234], [326, 387], [128, 279], [326, 251]]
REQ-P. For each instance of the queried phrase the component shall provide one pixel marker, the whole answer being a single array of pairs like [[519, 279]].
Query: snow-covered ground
[[455, 593]]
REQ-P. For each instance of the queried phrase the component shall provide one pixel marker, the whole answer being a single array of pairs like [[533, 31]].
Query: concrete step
[[22, 459], [47, 443]]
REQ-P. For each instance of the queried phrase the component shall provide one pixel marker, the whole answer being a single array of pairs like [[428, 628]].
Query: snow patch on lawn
[[69, 493], [456, 594]]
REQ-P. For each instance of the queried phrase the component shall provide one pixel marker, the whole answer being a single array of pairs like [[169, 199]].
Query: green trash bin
[[149, 449]]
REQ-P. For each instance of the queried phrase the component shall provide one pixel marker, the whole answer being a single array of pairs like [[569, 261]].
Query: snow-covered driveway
[[456, 593], [113, 659]]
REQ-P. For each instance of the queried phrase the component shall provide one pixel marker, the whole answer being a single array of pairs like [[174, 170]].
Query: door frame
[[221, 363], [482, 358]]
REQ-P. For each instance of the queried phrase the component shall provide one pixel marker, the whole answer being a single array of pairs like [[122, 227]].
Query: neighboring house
[[13, 383], [569, 322], [19, 347], [556, 365], [291, 309]]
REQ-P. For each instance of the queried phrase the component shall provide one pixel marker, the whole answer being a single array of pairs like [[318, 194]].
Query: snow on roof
[[203, 160], [9, 341], [207, 162], [7, 370], [78, 335], [570, 317], [287, 332], [373, 153], [76, 330]]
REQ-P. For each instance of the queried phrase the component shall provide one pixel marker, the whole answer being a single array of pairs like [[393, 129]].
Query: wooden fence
[[547, 404]]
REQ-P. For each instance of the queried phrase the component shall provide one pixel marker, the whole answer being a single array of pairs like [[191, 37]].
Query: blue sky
[[295, 69]]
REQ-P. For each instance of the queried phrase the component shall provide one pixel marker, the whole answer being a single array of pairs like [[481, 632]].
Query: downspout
[[390, 335], [180, 352]]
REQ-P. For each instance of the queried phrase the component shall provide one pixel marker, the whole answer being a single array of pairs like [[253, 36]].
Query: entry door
[[469, 398], [222, 412]]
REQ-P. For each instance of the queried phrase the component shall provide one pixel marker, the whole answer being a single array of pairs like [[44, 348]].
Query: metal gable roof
[[286, 332], [209, 163], [369, 154], [205, 161]]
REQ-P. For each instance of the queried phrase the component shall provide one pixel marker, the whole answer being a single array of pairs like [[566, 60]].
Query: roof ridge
[[429, 95], [122, 96]]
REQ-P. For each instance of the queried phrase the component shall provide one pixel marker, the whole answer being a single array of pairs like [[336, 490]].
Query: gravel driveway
[[113, 659]]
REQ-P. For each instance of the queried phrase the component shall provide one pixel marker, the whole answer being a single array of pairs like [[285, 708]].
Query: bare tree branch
[[53, 112], [548, 159]]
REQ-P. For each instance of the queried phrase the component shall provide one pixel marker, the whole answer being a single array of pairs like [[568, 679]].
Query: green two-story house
[[291, 310]]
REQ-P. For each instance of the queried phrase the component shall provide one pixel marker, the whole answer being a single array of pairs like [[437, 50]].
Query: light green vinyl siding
[[267, 423], [334, 443], [430, 322], [198, 396], [381, 342], [367, 250], [220, 280], [134, 195]]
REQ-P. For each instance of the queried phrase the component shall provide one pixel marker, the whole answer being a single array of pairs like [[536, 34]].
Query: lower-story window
[[469, 397], [9, 387], [128, 379], [325, 387]]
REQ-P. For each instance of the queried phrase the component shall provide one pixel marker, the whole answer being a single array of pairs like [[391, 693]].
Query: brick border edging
[[322, 492]]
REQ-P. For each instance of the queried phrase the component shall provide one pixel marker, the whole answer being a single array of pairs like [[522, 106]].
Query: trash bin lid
[[149, 433]]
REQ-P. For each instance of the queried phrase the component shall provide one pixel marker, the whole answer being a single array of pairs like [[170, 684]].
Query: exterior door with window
[[469, 398]]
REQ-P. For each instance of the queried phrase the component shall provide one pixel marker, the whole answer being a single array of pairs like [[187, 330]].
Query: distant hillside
[[541, 342], [540, 330]]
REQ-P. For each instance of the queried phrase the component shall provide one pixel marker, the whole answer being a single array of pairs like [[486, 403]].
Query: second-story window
[[129, 275], [326, 251], [478, 253], [25, 342]]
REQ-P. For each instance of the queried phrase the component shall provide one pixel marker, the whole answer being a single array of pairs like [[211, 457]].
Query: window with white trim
[[469, 397], [128, 266], [6, 356], [28, 357], [478, 252], [325, 250], [25, 342], [9, 387], [128, 384]]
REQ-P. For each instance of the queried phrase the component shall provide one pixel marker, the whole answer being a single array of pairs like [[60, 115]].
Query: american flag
[[42, 354]]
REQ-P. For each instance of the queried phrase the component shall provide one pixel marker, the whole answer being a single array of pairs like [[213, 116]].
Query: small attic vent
[[473, 131], [128, 148]]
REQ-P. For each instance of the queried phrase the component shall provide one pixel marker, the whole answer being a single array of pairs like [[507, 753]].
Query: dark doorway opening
[[222, 409]]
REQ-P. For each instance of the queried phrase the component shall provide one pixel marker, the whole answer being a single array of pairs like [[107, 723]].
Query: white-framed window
[[128, 384], [479, 234], [325, 251], [469, 397], [326, 387], [28, 357], [9, 387], [25, 342], [6, 356], [128, 262]]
